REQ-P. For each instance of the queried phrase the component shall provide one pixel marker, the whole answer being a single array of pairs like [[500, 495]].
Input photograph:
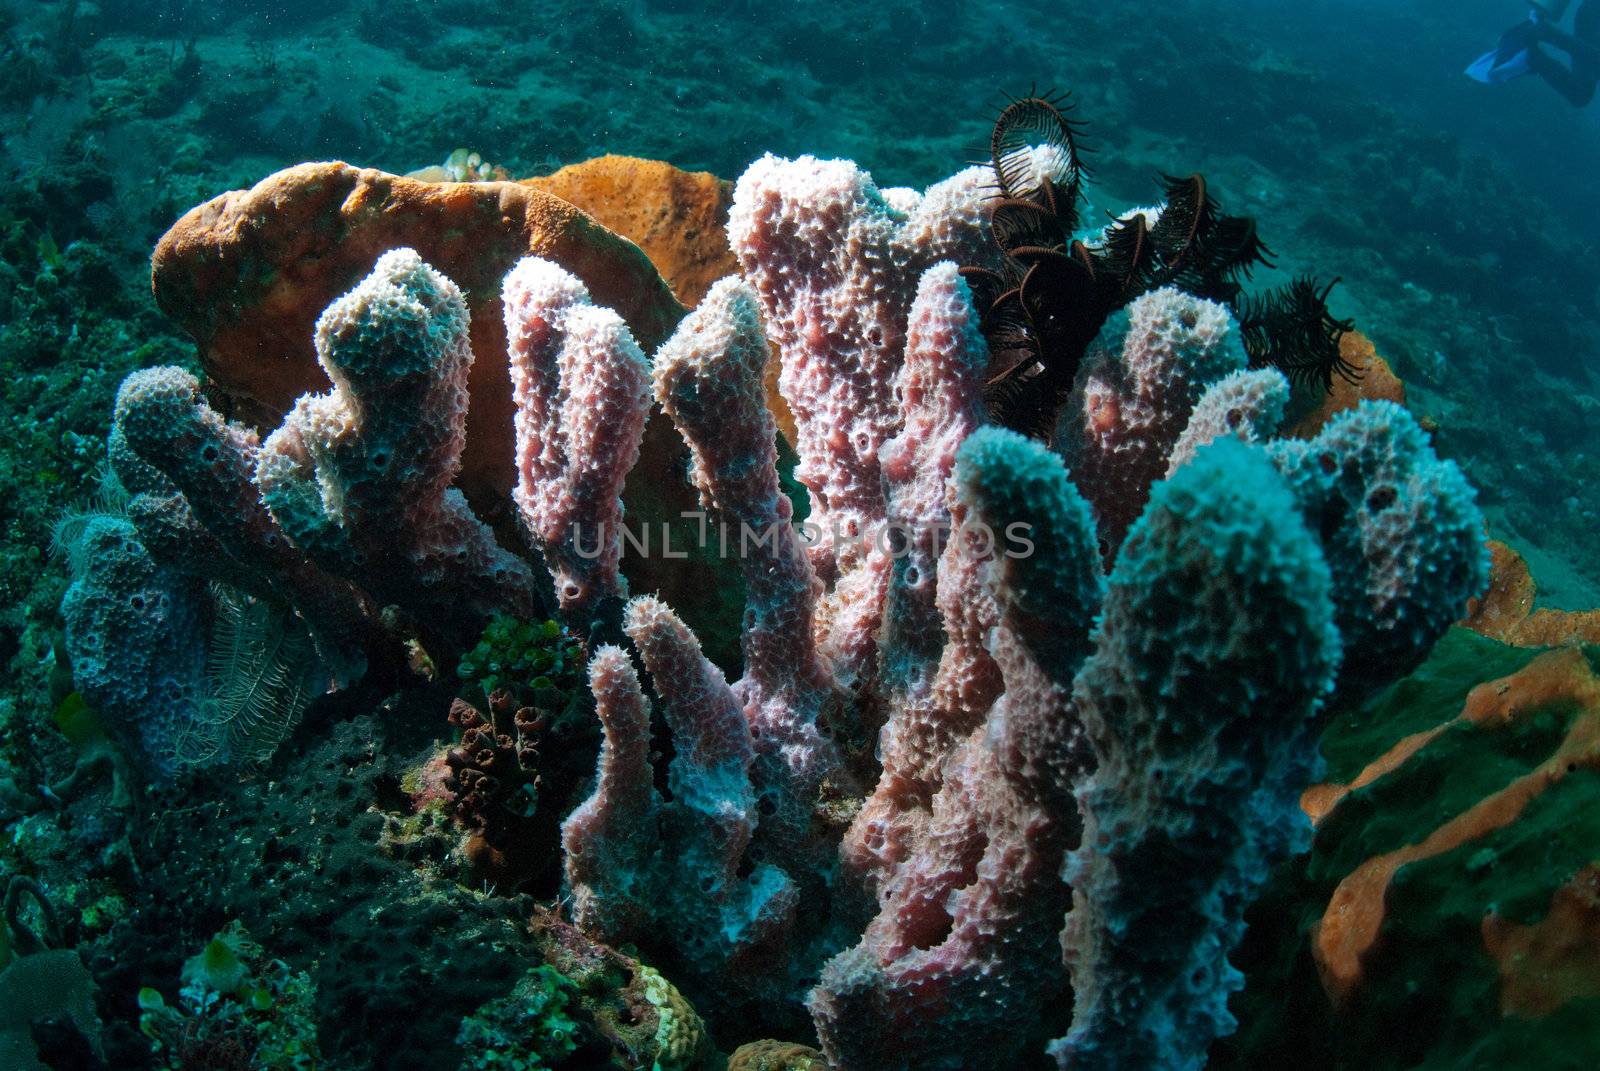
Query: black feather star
[[1053, 293], [1291, 329]]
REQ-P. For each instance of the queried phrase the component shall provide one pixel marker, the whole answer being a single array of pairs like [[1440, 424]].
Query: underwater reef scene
[[701, 537]]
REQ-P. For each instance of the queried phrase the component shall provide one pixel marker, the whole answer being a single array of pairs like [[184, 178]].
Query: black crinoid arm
[[1037, 305], [1199, 248], [1053, 291], [1291, 329]]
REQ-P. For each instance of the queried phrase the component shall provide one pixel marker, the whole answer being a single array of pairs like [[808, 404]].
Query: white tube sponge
[[709, 775], [360, 476], [743, 922], [581, 388], [609, 838], [708, 378], [1247, 405], [1215, 647]]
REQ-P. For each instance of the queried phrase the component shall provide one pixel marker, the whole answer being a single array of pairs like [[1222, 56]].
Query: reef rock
[[775, 1056], [679, 218]]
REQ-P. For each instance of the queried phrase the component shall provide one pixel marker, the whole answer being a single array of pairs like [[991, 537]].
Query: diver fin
[[1508, 59]]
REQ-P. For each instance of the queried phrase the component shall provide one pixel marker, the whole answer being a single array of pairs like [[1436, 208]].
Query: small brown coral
[[494, 785]]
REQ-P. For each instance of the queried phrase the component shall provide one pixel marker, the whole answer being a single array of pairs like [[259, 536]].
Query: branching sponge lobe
[[962, 957], [1247, 405], [636, 863], [162, 416], [937, 677], [610, 838], [360, 476], [835, 262], [1401, 531], [708, 378], [1139, 382], [135, 630]]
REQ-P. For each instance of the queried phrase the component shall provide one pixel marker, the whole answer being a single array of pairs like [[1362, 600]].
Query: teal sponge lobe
[[1215, 648], [1046, 548], [402, 322], [135, 634], [1219, 612], [1401, 531]]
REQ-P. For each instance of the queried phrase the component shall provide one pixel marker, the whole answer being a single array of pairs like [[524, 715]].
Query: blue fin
[[1509, 59]]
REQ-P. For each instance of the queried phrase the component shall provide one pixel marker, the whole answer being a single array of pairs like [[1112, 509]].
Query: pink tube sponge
[[708, 377], [961, 959], [581, 389], [1138, 384], [938, 678], [835, 262]]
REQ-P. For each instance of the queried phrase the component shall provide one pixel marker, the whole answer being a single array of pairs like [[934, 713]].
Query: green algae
[[1428, 698], [1515, 870], [1459, 767], [1563, 1041], [234, 1000], [539, 661], [1431, 991], [529, 1030]]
